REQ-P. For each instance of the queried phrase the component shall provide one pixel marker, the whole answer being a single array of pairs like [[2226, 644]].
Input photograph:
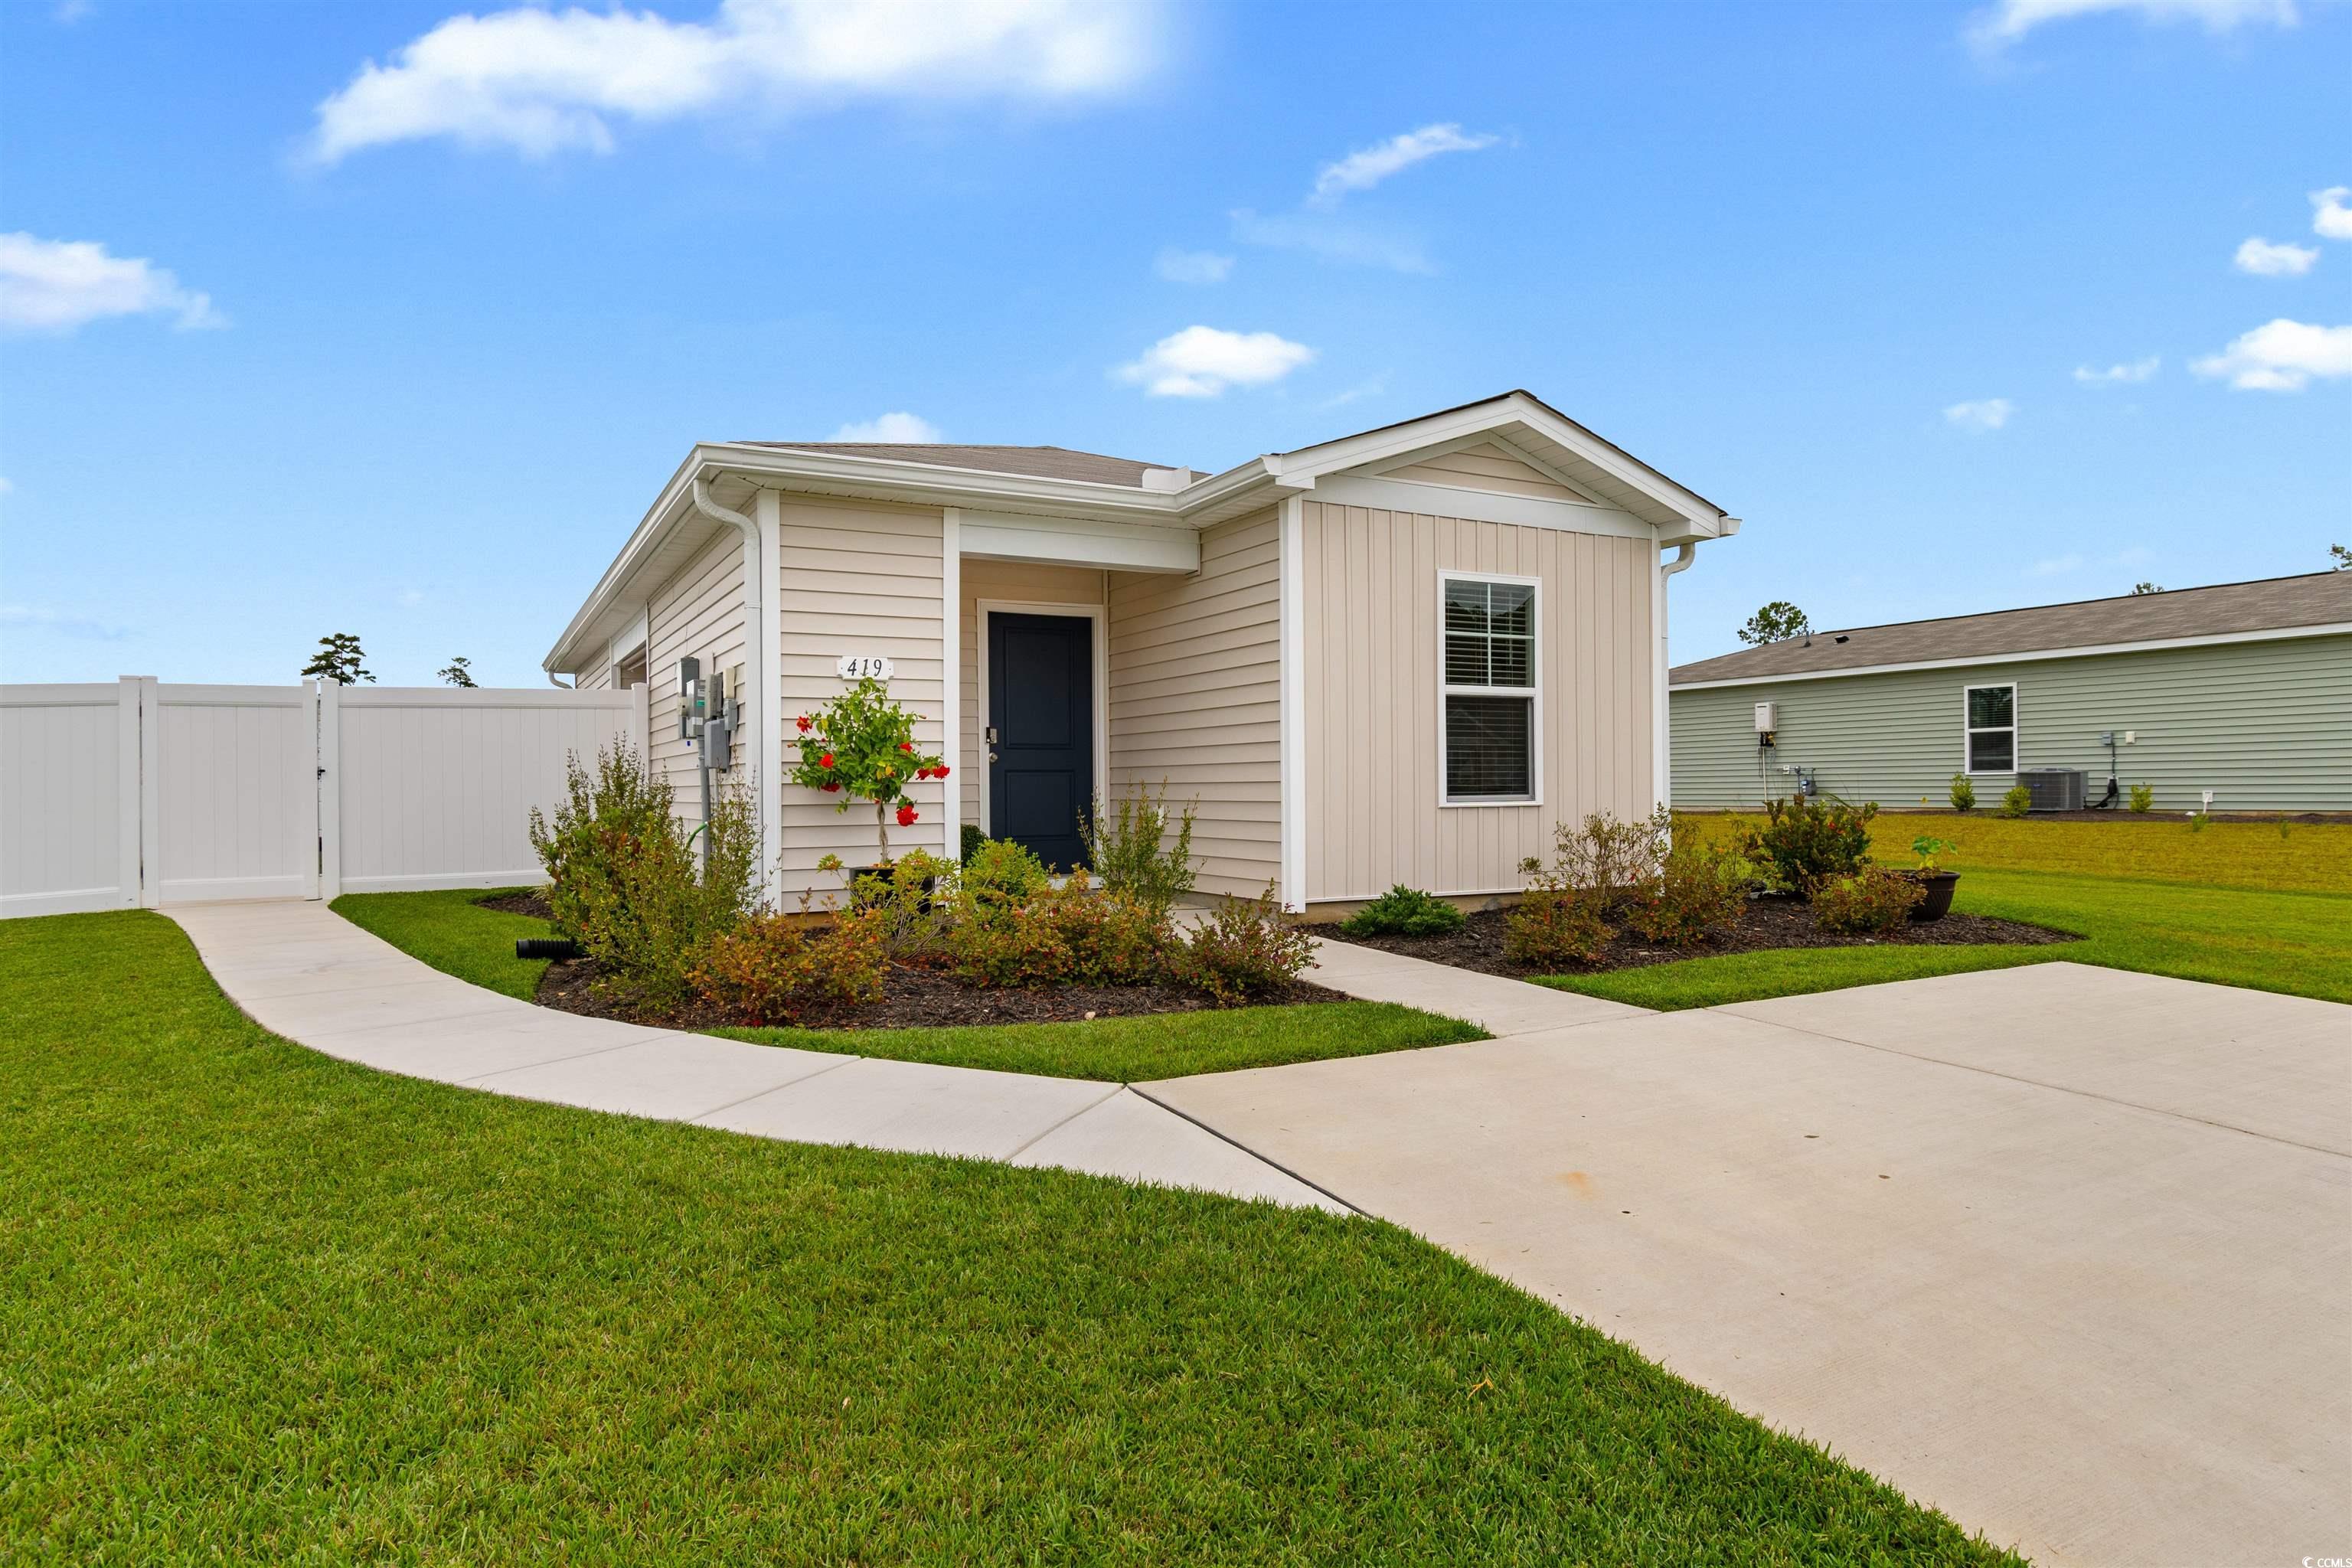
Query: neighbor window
[[1992, 729], [1487, 688]]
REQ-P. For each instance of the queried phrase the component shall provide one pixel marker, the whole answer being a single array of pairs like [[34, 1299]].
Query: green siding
[[2266, 726]]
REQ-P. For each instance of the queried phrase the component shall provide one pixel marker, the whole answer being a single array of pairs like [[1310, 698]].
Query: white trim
[[767, 689], [1533, 692], [1290, 576], [1481, 506], [1969, 731], [952, 681], [1100, 615], [1071, 541], [2156, 645], [129, 769], [151, 793]]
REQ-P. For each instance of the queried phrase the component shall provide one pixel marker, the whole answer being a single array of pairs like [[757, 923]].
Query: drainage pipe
[[1662, 721], [765, 703]]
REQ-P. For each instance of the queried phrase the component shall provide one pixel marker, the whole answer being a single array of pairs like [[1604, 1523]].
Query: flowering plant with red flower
[[861, 746]]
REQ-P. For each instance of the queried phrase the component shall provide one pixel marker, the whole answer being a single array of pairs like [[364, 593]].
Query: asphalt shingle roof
[[1036, 462], [2321, 598]]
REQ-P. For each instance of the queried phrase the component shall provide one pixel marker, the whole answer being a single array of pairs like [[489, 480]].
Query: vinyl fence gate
[[137, 793]]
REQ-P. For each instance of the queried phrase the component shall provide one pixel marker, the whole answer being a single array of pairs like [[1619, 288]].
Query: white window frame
[[1968, 732], [1533, 692]]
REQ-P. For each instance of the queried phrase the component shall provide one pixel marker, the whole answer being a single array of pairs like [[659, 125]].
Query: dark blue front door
[[1041, 696]]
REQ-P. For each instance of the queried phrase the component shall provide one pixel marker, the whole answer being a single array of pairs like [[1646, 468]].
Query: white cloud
[[39, 618], [1355, 393], [899, 428], [2118, 374], [1192, 265], [6, 484], [1985, 414], [2330, 218], [540, 81], [2282, 356], [1333, 239], [2011, 20], [1368, 166], [57, 284], [2264, 259], [1202, 361], [2054, 566]]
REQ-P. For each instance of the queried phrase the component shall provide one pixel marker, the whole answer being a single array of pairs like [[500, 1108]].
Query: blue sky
[[410, 353]]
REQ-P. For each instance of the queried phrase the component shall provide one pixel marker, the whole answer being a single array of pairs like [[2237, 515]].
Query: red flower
[[922, 772], [825, 761], [941, 772], [906, 745], [830, 787], [906, 814], [806, 723]]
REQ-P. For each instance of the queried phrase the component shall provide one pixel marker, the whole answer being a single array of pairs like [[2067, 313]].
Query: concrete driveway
[[2064, 1251]]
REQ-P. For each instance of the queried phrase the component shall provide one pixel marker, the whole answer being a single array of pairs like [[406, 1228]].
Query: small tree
[[2139, 588], [458, 673], [861, 746], [2341, 556], [1774, 623], [338, 659]]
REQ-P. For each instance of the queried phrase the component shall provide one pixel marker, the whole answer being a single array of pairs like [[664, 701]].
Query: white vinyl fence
[[114, 796]]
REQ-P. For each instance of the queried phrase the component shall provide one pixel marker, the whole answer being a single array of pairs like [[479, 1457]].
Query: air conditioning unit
[[2056, 789]]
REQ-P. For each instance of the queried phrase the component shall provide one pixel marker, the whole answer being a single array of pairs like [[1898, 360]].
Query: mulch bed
[[1767, 923], [912, 997]]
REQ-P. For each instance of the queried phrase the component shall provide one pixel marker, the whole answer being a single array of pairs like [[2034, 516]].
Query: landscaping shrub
[[773, 969], [1554, 927], [1806, 840], [1404, 912], [1873, 899], [1610, 860], [2017, 801], [1246, 948], [1014, 944], [915, 901], [1128, 848], [1071, 935], [973, 838], [1964, 793], [2143, 796], [998, 875], [1700, 887], [623, 882]]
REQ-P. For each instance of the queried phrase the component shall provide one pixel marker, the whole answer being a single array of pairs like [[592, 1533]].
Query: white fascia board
[[1074, 541], [1381, 446], [1484, 506], [2040, 656]]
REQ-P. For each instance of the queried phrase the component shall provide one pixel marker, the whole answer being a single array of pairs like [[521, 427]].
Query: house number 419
[[858, 666]]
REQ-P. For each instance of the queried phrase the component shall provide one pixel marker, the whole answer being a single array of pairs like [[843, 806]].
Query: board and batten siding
[[1009, 581], [1196, 698], [1370, 602], [864, 579], [2266, 726], [698, 613]]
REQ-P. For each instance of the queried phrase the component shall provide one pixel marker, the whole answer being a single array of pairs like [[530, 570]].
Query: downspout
[[761, 657], [1661, 726], [558, 685]]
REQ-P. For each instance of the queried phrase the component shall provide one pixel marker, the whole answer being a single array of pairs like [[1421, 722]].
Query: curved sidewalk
[[306, 973]]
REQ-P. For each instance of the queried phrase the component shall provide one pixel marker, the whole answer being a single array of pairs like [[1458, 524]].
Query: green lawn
[[450, 932], [2299, 942], [263, 1305]]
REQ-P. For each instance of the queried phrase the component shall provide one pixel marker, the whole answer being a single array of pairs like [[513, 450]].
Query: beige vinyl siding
[[1371, 605], [855, 578], [2266, 726], [600, 678], [1485, 467], [697, 614], [1016, 582], [1196, 698]]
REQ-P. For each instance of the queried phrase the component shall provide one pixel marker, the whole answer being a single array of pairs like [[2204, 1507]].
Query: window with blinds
[[1487, 693]]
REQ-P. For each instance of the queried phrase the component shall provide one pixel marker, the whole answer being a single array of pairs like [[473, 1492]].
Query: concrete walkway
[[312, 976], [1497, 1004], [2065, 1251]]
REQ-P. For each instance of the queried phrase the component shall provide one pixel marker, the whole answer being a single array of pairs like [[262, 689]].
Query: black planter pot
[[560, 949], [1939, 901]]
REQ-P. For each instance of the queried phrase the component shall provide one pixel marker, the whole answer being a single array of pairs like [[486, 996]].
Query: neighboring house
[[2245, 689], [1265, 641]]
